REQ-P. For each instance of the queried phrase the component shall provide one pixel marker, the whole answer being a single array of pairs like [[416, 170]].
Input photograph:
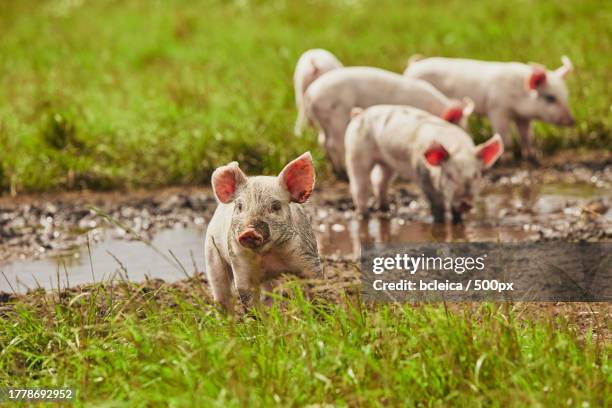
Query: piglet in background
[[259, 230], [329, 100], [504, 91], [386, 140], [311, 65]]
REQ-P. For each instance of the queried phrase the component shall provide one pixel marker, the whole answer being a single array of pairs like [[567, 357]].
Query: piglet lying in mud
[[259, 230], [311, 65], [329, 101], [386, 140], [504, 91]]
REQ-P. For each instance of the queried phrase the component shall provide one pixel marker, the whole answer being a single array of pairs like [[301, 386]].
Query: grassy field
[[168, 347], [116, 94]]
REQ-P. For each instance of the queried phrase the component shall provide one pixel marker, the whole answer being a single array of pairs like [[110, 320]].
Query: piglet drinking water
[[386, 140]]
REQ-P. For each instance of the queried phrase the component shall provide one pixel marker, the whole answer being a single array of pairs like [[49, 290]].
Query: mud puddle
[[160, 235], [171, 255]]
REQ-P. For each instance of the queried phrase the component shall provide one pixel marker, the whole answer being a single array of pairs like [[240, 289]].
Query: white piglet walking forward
[[311, 65], [504, 91], [259, 230], [440, 156]]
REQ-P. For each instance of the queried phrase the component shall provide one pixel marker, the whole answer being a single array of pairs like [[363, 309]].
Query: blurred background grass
[[139, 93]]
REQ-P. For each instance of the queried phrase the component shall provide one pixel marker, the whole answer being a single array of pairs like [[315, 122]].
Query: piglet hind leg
[[359, 169], [303, 256], [381, 177], [334, 129], [310, 270]]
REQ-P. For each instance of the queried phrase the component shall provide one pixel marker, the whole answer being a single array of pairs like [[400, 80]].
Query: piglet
[[329, 100], [311, 65], [259, 230], [387, 140], [504, 91]]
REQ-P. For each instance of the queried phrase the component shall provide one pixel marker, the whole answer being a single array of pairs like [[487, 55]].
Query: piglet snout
[[250, 238]]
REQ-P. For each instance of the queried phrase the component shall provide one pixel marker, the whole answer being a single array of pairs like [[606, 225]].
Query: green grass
[[170, 347], [120, 94]]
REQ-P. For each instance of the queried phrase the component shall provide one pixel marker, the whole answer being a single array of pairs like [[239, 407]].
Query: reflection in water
[[113, 259], [345, 239]]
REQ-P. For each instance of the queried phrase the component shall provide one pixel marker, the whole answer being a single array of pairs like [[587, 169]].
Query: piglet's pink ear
[[453, 114], [298, 177], [537, 78], [489, 151], [226, 180], [436, 154]]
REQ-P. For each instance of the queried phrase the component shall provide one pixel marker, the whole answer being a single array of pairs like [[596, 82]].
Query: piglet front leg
[[219, 276], [247, 272], [501, 122], [524, 130]]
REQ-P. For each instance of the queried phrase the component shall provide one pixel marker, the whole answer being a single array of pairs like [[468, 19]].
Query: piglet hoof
[[457, 216]]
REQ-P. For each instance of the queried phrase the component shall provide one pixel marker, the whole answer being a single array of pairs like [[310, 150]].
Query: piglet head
[[261, 216], [460, 173], [548, 95]]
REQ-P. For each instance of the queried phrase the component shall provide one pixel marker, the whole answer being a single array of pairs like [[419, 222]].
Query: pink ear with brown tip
[[298, 177]]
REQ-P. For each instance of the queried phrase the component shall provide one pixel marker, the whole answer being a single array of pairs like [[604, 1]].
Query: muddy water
[[170, 255], [503, 213]]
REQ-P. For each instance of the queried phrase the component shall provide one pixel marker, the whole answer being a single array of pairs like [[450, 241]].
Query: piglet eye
[[550, 98], [239, 206], [276, 206]]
